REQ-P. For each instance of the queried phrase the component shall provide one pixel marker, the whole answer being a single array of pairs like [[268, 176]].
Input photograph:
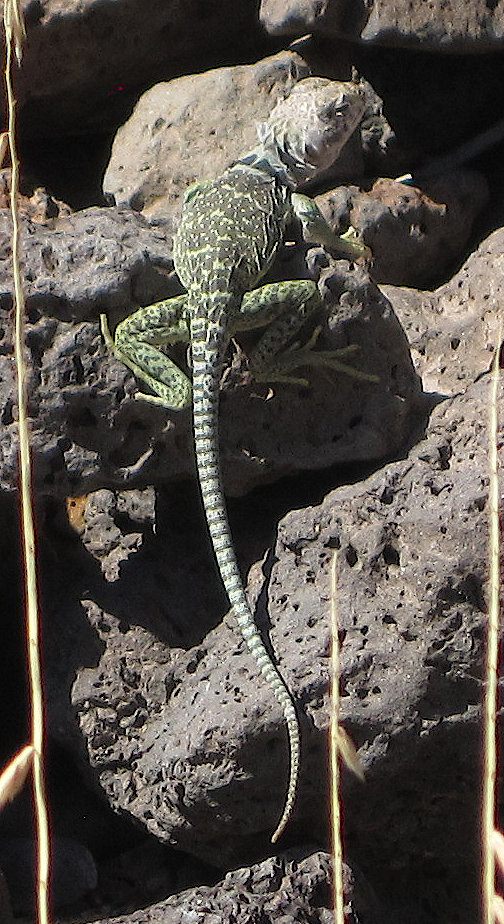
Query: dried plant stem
[[337, 851], [13, 36], [491, 668]]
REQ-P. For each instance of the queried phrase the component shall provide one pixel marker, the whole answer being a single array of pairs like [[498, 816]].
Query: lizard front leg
[[318, 231], [136, 343]]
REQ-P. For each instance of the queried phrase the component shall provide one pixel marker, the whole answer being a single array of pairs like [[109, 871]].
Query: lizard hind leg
[[136, 343], [286, 306]]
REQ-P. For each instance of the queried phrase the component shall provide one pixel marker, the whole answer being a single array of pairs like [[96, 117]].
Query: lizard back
[[229, 234]]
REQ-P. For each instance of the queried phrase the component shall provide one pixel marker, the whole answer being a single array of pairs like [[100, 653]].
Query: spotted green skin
[[228, 236]]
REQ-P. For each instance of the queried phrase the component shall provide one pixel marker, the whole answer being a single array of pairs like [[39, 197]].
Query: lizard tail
[[206, 359]]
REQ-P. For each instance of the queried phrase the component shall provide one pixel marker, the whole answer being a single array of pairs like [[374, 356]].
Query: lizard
[[230, 230]]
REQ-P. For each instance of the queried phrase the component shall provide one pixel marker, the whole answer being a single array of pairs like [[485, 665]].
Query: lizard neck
[[275, 161]]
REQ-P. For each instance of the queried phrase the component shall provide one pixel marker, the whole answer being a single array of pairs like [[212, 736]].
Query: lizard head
[[308, 129]]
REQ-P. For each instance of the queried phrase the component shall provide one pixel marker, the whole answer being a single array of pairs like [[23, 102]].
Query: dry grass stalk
[[13, 776], [340, 744], [14, 35], [4, 146], [492, 906], [337, 849], [498, 849]]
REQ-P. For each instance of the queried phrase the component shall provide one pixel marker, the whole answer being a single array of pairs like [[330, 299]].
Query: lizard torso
[[229, 232]]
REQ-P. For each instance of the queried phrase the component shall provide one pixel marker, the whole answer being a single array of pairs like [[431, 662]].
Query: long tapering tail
[[207, 345]]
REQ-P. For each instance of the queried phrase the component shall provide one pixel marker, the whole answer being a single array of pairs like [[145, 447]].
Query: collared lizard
[[229, 233]]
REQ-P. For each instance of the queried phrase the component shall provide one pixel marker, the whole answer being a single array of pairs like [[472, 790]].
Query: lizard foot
[[297, 356]]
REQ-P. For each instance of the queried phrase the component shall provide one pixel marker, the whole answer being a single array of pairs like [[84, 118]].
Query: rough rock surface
[[446, 26], [40, 206], [88, 430], [412, 550], [287, 889], [415, 234], [85, 61], [173, 137], [75, 267], [413, 541], [146, 678], [75, 263], [453, 331]]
